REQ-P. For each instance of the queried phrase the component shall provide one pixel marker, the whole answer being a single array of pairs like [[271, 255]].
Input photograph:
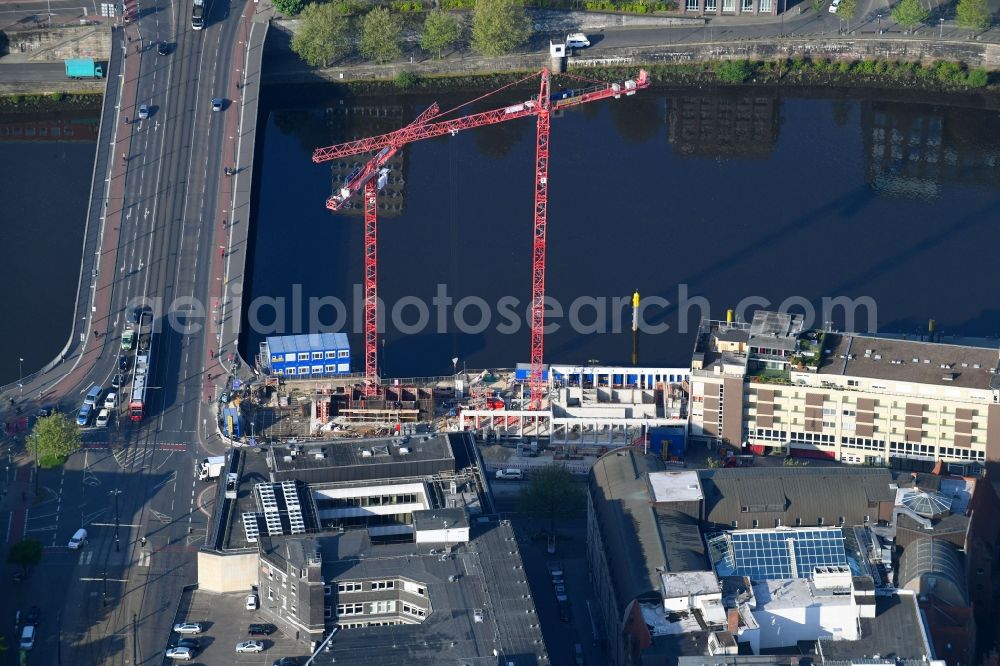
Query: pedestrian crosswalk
[[157, 446]]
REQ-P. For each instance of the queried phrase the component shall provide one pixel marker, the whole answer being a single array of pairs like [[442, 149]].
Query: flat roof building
[[394, 543], [725, 563], [843, 396]]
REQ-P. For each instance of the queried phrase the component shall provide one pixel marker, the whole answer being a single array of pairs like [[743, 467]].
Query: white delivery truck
[[211, 468]]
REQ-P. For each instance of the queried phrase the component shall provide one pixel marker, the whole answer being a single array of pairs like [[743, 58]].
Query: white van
[[251, 602], [510, 473], [93, 395], [28, 637], [79, 538], [577, 40]]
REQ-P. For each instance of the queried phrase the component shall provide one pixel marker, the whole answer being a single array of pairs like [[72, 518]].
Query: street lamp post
[[941, 27], [116, 492], [104, 594], [20, 374]]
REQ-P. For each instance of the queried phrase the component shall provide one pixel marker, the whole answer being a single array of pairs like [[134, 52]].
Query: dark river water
[[46, 162], [708, 201], [702, 202]]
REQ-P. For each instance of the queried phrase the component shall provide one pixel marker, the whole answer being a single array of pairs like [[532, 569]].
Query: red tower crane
[[372, 175]]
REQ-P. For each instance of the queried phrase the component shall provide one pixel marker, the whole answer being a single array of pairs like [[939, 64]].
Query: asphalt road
[[92, 598]]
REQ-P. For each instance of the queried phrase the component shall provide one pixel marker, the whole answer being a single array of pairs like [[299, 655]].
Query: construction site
[[305, 386]]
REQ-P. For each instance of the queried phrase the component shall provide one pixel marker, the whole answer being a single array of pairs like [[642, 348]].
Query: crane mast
[[538, 246]]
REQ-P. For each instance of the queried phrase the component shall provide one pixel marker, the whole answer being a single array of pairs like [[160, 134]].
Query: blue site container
[[668, 442], [522, 371]]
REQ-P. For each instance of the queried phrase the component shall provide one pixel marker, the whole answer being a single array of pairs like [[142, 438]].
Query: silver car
[[181, 653], [187, 628], [250, 646], [143, 112]]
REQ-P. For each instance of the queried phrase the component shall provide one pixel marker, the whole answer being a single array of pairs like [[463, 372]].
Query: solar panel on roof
[[777, 554]]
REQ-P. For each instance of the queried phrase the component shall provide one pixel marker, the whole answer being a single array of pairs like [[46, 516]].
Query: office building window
[[350, 609], [747, 5], [349, 587], [691, 5], [710, 5]]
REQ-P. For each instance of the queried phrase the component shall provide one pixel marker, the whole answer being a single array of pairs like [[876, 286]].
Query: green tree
[[380, 33], [25, 553], [322, 38], [499, 26], [441, 32], [973, 14], [551, 494], [846, 10], [909, 13], [289, 7], [53, 438], [818, 5]]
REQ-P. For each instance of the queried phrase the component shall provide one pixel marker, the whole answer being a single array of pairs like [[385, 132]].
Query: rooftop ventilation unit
[[366, 453]]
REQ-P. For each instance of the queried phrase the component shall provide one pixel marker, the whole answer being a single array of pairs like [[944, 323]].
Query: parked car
[[250, 646], [834, 5], [187, 628], [260, 629], [180, 653], [111, 401], [286, 661], [102, 418], [251, 602], [192, 643], [578, 40], [28, 637], [564, 611]]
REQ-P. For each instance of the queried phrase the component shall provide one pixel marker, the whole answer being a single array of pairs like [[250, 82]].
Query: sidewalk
[[229, 261]]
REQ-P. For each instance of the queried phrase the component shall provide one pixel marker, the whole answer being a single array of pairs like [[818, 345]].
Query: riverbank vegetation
[[942, 76], [55, 101]]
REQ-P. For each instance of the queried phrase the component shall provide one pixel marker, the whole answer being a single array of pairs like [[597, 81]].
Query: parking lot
[[224, 621]]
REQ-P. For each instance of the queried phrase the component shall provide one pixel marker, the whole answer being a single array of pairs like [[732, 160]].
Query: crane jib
[[421, 130]]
